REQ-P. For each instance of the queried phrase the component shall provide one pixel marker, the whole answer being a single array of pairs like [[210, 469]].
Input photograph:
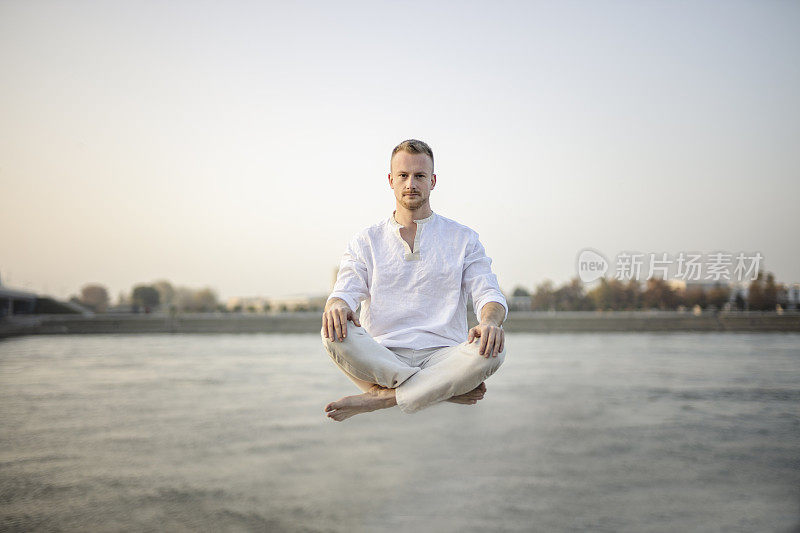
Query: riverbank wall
[[533, 322]]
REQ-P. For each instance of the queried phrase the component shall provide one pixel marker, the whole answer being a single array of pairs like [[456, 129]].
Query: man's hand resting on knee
[[335, 317], [492, 336]]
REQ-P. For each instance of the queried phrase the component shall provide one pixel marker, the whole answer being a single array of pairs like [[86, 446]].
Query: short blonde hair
[[413, 146]]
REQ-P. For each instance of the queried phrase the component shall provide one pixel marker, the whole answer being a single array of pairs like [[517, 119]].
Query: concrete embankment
[[544, 322], [652, 321]]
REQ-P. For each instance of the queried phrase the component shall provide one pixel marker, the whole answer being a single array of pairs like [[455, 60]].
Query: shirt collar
[[395, 223]]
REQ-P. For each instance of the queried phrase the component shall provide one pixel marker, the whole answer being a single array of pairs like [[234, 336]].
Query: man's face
[[412, 179]]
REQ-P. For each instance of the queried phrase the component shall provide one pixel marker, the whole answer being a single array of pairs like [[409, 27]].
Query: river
[[603, 432]]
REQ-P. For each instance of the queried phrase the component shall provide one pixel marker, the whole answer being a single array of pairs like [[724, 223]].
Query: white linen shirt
[[417, 299]]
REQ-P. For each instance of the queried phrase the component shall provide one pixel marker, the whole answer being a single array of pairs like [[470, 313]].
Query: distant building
[[121, 308], [519, 303], [16, 302]]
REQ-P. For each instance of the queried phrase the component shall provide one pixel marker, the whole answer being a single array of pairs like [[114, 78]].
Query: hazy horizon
[[240, 146]]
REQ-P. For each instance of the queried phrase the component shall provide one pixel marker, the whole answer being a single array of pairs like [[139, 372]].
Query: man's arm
[[490, 304], [490, 330], [350, 289]]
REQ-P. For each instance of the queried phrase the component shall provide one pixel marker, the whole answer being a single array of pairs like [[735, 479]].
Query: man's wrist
[[493, 314]]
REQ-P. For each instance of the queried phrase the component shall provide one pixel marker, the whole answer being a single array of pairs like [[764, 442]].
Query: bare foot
[[471, 397], [375, 398]]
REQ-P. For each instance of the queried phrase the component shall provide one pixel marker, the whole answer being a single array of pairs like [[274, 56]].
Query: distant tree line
[[763, 294], [145, 297]]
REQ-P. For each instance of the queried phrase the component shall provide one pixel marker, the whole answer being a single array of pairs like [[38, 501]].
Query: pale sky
[[241, 144]]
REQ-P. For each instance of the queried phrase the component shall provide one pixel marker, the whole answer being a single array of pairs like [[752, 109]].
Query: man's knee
[[333, 347], [488, 365], [339, 350], [352, 331], [325, 340], [343, 349]]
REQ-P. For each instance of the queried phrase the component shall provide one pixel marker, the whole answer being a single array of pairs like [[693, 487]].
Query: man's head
[[412, 146], [411, 174]]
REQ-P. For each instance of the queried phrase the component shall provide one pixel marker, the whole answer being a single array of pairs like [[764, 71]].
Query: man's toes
[[338, 404], [333, 406], [339, 416]]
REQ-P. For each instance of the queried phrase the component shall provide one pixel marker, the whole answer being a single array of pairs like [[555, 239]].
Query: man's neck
[[406, 217]]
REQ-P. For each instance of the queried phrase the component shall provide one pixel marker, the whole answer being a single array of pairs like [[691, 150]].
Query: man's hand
[[493, 338], [335, 317]]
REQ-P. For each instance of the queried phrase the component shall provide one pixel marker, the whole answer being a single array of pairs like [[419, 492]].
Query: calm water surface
[[601, 432]]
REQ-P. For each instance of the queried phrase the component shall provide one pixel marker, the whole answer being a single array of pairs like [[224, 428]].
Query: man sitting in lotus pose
[[412, 275]]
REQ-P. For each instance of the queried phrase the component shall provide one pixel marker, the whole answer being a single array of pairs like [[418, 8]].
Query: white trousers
[[420, 377]]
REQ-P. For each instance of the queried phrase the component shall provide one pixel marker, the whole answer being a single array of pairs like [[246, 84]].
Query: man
[[412, 275]]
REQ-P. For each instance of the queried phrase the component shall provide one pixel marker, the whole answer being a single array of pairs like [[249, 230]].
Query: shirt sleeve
[[479, 280], [351, 281]]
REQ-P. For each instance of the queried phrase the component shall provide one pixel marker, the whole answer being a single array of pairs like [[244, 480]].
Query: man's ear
[[433, 181], [390, 181]]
